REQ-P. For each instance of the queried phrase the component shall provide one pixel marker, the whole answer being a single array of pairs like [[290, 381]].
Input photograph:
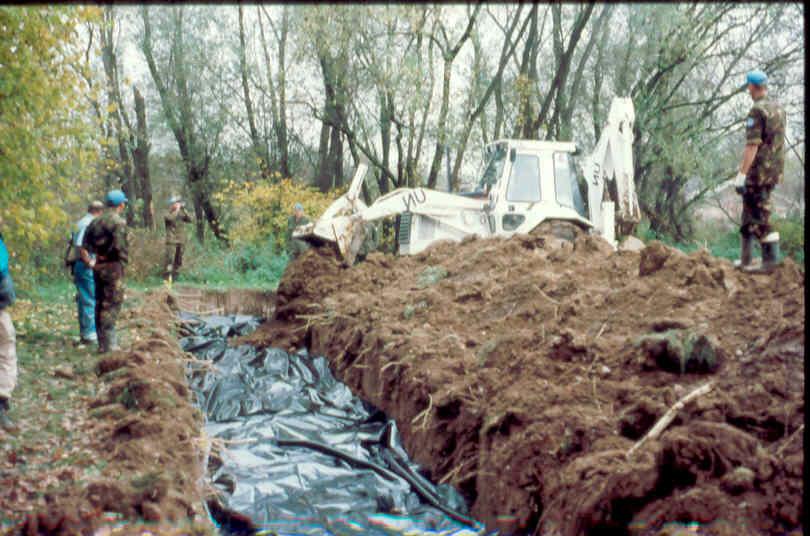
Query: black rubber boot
[[770, 255], [104, 340], [746, 243]]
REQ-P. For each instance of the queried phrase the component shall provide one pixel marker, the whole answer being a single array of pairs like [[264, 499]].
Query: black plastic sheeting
[[304, 455]]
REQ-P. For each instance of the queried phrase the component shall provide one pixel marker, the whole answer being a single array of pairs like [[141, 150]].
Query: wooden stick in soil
[[669, 416]]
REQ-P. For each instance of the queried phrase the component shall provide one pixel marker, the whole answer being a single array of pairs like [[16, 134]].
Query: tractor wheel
[[562, 229]]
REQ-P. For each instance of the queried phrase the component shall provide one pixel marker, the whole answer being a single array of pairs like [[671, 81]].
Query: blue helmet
[[115, 198], [756, 77]]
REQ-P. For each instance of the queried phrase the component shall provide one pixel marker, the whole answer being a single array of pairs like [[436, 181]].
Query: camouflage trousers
[[109, 280], [172, 260], [756, 213]]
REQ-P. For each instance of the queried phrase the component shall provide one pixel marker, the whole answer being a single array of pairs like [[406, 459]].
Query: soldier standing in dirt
[[295, 246], [761, 168], [106, 238], [83, 278], [175, 237], [8, 342]]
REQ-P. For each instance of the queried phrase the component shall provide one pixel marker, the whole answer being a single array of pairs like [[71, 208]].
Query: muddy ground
[[515, 371], [142, 433]]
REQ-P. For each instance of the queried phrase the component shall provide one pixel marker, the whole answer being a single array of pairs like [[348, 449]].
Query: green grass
[[212, 266], [245, 266], [725, 243]]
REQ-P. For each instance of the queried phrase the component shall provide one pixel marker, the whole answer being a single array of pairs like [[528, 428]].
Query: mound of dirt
[[146, 436], [516, 370]]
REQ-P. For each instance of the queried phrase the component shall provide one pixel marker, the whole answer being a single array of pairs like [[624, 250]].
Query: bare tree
[[449, 51], [176, 99]]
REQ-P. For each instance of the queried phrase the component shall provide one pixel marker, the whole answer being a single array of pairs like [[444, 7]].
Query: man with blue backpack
[[8, 341], [83, 276]]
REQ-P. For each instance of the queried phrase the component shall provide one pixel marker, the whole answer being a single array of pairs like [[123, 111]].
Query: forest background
[[245, 109]]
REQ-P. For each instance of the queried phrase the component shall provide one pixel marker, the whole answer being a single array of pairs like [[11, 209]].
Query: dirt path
[[514, 372], [107, 444]]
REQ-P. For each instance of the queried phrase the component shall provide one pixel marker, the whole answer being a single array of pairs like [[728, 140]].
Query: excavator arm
[[345, 221], [608, 170]]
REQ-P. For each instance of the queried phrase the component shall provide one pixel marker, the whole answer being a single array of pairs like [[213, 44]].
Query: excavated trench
[[291, 450], [523, 371]]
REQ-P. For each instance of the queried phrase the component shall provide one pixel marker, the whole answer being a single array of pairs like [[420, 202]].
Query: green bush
[[242, 265]]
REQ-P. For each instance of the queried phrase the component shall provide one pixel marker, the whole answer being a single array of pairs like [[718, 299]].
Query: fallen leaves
[[54, 447]]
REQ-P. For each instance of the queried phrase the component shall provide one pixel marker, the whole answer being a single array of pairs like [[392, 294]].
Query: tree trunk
[[476, 109], [140, 157], [567, 114], [385, 139], [259, 147], [441, 138], [330, 173], [322, 178], [281, 129], [448, 55], [527, 79], [177, 108], [563, 68], [124, 157]]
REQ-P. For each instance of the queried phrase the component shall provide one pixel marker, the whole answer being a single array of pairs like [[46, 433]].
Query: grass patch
[[724, 242]]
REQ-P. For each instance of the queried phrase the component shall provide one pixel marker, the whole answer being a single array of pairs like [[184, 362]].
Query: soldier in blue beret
[[761, 169]]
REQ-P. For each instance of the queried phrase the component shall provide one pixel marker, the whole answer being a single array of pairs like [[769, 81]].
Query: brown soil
[[147, 431], [515, 374]]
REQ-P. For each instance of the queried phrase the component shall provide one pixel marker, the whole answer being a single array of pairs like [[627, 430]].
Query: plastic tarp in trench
[[302, 454]]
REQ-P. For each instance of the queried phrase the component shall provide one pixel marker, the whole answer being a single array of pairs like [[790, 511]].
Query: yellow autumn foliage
[[257, 211], [46, 141]]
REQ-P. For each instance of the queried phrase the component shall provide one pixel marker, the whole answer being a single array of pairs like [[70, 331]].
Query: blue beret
[[756, 77], [298, 206], [115, 198]]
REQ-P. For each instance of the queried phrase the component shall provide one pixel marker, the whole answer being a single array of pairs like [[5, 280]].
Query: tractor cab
[[527, 181]]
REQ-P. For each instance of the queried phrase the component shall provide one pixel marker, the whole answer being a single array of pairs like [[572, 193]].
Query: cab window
[[524, 179], [565, 183]]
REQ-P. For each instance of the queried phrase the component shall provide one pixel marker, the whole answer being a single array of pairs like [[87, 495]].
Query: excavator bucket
[[339, 223]]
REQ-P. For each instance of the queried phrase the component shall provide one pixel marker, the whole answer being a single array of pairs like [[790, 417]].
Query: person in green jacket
[[175, 237]]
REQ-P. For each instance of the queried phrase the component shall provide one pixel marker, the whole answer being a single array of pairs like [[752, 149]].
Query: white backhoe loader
[[524, 184]]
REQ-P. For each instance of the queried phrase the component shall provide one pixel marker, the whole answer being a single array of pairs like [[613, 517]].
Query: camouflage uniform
[[175, 241], [295, 246], [106, 237], [765, 127]]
